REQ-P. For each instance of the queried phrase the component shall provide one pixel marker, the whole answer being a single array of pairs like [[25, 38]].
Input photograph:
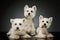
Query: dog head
[[17, 23], [30, 11], [45, 22]]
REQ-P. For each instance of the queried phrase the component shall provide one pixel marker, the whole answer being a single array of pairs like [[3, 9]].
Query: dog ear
[[40, 17], [34, 7], [26, 6], [51, 18], [11, 20]]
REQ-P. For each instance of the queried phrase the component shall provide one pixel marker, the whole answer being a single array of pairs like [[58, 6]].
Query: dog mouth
[[29, 16], [17, 30], [44, 26]]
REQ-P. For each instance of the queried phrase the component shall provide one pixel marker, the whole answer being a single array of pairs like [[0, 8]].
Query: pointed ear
[[34, 7], [51, 18], [40, 17], [26, 6], [11, 20]]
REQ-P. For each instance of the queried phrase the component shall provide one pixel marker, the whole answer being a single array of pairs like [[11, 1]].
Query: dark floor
[[56, 34]]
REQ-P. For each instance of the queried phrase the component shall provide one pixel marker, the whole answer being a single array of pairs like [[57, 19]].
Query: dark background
[[15, 9]]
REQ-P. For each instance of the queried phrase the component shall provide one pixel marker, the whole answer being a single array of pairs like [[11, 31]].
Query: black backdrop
[[15, 9]]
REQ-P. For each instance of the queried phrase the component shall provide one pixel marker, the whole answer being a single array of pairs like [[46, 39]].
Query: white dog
[[29, 13], [17, 28], [44, 24]]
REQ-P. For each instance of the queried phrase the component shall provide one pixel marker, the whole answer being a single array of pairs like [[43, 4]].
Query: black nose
[[44, 24], [17, 28], [28, 13]]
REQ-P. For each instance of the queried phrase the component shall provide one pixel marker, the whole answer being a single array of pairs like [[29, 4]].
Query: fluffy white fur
[[44, 24], [32, 10], [29, 13], [14, 32]]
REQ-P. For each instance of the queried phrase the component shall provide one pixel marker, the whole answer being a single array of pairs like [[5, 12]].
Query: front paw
[[42, 36], [14, 37], [36, 36], [32, 34], [26, 36], [50, 36]]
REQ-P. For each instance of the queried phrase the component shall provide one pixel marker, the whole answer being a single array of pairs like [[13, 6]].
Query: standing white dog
[[44, 24], [17, 28], [29, 13]]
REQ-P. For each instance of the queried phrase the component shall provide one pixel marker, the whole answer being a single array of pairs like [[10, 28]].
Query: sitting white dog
[[17, 28], [44, 24], [29, 13]]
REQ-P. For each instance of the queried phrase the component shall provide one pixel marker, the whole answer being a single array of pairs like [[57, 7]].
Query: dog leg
[[49, 35], [26, 36]]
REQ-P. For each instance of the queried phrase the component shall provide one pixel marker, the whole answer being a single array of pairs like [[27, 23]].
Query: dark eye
[[47, 21], [23, 20], [20, 24], [42, 21], [27, 10], [31, 11], [15, 23]]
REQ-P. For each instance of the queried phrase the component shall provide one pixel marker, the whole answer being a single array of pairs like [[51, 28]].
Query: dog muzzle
[[44, 26]]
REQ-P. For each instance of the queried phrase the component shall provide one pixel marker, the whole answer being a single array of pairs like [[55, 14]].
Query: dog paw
[[26, 36], [43, 36], [36, 36], [50, 36], [40, 36], [14, 37], [33, 34]]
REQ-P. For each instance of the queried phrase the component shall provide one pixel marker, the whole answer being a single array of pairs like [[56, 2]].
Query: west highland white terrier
[[44, 24], [17, 29], [29, 13]]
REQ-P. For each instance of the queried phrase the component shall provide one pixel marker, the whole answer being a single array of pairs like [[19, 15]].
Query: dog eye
[[23, 20], [42, 21], [20, 24], [47, 21], [32, 11], [15, 23], [27, 10]]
